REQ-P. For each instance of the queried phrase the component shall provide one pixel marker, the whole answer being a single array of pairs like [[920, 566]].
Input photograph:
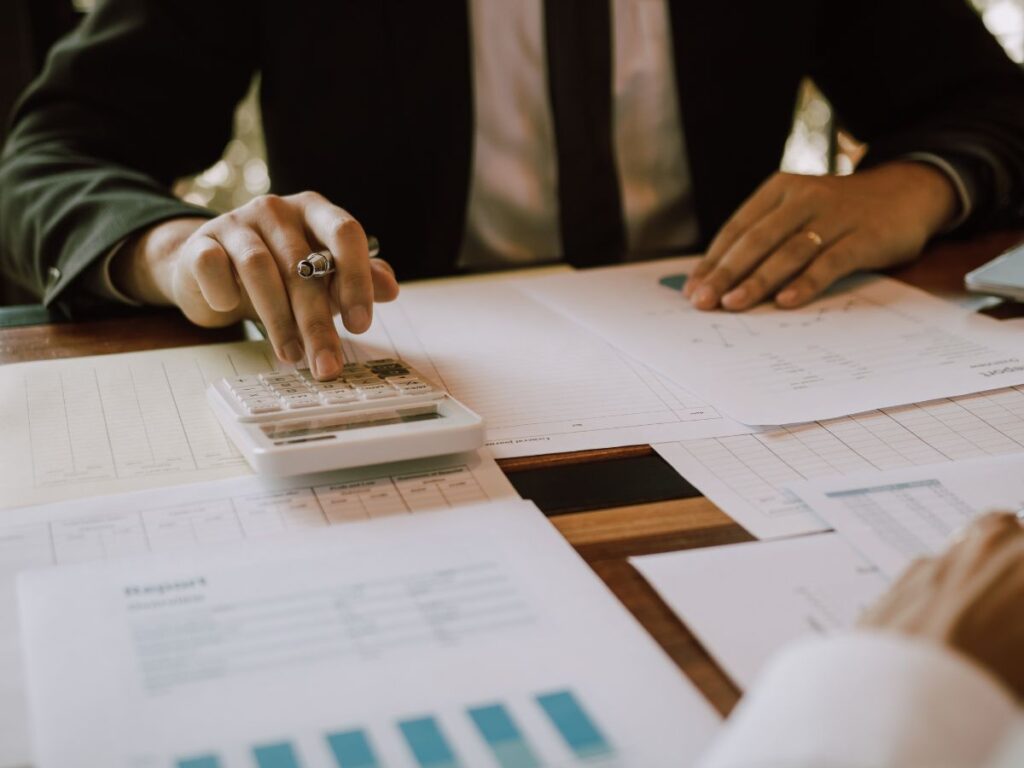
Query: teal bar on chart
[[503, 737], [200, 761], [579, 731], [352, 750], [427, 743], [275, 756]]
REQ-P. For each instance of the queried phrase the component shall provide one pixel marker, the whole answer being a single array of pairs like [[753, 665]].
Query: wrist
[[934, 201], [143, 269]]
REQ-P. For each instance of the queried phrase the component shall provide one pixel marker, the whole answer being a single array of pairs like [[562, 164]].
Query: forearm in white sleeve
[[867, 700]]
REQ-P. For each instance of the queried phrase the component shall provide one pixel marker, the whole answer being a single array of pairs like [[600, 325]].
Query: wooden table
[[605, 535]]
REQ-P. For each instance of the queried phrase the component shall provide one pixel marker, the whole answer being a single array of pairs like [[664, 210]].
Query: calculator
[[288, 423]]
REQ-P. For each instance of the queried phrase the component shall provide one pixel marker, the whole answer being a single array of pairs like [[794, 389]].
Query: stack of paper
[[877, 375], [194, 515], [881, 412], [432, 640]]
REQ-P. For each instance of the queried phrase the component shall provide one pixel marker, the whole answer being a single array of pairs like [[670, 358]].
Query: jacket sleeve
[[143, 92], [925, 77]]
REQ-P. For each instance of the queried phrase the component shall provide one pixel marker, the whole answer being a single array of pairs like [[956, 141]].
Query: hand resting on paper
[[796, 235], [970, 599]]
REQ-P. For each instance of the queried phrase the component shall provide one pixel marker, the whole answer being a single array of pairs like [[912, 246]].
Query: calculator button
[[291, 390], [378, 366], [382, 361], [377, 394], [249, 391], [391, 371], [333, 386], [416, 390], [263, 405], [252, 397], [254, 394], [301, 401], [378, 386], [243, 381], [337, 397], [277, 378]]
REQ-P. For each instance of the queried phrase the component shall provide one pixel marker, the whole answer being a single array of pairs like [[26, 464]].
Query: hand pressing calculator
[[288, 423]]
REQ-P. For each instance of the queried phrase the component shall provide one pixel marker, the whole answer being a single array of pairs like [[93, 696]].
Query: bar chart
[[428, 743]]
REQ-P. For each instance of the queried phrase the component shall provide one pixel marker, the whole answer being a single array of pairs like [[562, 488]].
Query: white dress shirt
[[871, 700], [512, 217]]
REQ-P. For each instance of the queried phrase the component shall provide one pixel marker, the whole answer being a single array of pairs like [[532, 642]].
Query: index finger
[[343, 236], [762, 202]]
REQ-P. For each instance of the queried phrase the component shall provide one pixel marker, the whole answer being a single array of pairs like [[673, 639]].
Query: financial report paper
[[872, 342], [196, 515], [431, 640], [542, 383], [114, 423], [894, 517], [766, 594], [748, 475]]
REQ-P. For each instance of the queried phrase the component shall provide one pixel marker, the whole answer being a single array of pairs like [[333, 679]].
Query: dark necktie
[[579, 50]]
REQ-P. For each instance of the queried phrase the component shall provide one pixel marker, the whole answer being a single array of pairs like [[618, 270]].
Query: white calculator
[[288, 423]]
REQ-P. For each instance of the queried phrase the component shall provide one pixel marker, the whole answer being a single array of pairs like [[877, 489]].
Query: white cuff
[[97, 279], [943, 165], [867, 700]]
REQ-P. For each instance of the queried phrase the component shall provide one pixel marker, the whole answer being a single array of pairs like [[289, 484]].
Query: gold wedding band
[[814, 237], [321, 263]]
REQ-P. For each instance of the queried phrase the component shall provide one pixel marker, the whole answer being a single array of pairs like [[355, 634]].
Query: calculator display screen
[[324, 427]]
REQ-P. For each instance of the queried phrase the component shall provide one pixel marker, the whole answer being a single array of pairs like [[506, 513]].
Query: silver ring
[[315, 265], [321, 263]]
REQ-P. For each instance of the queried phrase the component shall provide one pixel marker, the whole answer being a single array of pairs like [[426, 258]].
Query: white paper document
[[747, 475], [895, 517], [114, 423], [872, 342], [541, 382], [468, 637], [190, 516], [746, 601]]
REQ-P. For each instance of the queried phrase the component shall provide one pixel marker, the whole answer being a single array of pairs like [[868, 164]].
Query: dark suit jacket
[[370, 103]]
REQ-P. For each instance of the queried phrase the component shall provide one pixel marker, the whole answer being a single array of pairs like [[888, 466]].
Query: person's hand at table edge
[[970, 599], [796, 235], [242, 264]]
